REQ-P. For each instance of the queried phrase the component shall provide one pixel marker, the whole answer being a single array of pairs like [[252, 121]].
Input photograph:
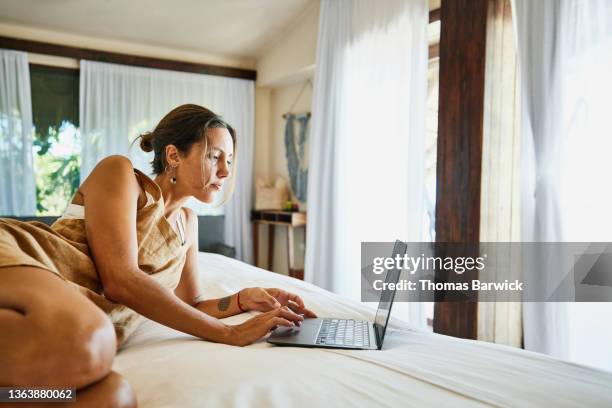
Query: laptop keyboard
[[340, 332]]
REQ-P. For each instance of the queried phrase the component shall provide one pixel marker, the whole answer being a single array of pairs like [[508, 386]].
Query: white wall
[[263, 130], [282, 99], [292, 57], [282, 72], [124, 47]]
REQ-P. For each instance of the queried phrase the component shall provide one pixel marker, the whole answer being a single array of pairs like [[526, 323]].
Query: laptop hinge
[[378, 345]]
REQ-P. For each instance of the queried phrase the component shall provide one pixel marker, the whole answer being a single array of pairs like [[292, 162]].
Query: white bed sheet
[[415, 368]]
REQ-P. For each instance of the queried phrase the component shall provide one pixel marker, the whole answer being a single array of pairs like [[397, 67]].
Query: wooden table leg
[[294, 273], [270, 246], [290, 243], [255, 242], [300, 272]]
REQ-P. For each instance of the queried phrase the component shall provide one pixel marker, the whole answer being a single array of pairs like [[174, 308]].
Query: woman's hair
[[182, 127]]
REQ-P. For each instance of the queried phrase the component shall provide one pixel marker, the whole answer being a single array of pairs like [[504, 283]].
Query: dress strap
[[181, 227]]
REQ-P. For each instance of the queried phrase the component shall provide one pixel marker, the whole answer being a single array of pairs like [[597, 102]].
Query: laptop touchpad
[[307, 332]]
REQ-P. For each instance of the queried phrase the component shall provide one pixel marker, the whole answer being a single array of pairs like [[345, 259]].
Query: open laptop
[[344, 333]]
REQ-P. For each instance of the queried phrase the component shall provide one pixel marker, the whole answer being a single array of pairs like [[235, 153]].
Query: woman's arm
[[260, 299], [221, 307], [189, 288]]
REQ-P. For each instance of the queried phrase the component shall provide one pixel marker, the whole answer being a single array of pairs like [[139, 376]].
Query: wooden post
[[460, 125]]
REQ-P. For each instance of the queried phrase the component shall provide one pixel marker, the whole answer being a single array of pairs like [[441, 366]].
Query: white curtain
[[17, 190], [239, 97], [565, 59], [366, 170], [119, 102]]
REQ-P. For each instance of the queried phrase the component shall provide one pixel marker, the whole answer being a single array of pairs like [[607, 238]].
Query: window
[[56, 150]]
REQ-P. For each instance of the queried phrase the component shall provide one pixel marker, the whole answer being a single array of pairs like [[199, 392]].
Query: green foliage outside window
[[57, 161], [57, 169]]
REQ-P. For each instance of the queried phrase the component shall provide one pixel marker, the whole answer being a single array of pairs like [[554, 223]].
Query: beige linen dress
[[62, 249]]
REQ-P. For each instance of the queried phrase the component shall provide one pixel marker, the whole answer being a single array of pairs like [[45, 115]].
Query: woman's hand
[[260, 325], [266, 299]]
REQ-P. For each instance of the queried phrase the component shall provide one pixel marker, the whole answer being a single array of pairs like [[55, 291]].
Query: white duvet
[[171, 369]]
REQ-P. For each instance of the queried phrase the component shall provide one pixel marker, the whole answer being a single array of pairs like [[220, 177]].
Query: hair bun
[[146, 142]]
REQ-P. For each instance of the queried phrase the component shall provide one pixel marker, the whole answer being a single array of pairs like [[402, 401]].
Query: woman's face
[[217, 165]]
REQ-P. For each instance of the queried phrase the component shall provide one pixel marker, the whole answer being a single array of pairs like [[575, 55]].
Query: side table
[[289, 219]]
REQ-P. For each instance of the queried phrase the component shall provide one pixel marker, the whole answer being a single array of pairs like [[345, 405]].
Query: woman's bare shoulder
[[111, 170]]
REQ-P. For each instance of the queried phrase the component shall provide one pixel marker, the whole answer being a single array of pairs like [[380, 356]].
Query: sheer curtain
[[366, 171], [17, 190], [238, 105], [500, 218], [119, 102], [565, 58]]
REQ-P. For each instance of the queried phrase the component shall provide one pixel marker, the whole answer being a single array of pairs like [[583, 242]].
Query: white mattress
[[171, 369]]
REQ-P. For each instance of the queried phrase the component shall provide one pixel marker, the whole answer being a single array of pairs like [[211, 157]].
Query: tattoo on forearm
[[224, 303]]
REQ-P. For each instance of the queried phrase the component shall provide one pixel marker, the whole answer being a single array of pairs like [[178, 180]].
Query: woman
[[129, 249]]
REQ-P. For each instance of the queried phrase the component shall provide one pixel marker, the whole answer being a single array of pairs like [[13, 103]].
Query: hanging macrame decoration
[[297, 160]]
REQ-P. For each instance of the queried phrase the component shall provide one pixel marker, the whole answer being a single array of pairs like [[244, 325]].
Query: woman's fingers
[[295, 298], [278, 321], [284, 296], [265, 301], [271, 301], [288, 314], [295, 302], [260, 325], [301, 307], [297, 308], [301, 310], [309, 313]]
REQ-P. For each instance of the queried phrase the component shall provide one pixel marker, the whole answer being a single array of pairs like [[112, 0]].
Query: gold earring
[[173, 178]]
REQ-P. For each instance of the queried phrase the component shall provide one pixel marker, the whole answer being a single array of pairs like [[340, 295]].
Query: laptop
[[344, 333]]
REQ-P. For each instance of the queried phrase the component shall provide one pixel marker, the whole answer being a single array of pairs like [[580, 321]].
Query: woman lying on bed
[[126, 247]]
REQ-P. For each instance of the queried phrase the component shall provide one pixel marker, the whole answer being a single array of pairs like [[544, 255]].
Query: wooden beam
[[434, 51], [126, 59], [460, 127], [434, 15]]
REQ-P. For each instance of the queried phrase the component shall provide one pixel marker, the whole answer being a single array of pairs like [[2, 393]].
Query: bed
[[415, 368]]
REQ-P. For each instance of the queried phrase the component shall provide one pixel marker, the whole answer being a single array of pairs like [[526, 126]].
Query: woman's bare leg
[[55, 337]]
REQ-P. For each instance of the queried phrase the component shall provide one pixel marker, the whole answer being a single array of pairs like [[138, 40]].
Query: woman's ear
[[173, 158]]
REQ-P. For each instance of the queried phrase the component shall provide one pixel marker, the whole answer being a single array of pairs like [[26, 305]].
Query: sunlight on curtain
[[565, 54], [586, 197], [366, 179], [501, 322], [17, 191]]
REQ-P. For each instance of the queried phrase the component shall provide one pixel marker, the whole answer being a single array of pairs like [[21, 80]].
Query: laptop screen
[[386, 296]]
